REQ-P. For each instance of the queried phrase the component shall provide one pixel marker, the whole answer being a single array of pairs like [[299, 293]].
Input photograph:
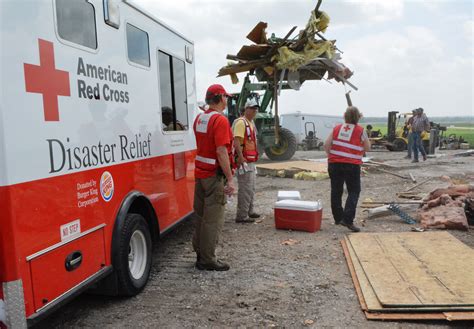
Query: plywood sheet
[[295, 165], [366, 294], [416, 269]]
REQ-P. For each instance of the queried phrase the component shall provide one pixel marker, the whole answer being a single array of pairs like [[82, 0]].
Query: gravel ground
[[269, 284]]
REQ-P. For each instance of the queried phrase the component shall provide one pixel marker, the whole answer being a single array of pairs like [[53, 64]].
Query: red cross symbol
[[346, 128], [45, 79], [199, 121]]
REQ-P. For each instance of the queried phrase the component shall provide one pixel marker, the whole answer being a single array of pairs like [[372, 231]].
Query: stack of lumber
[[411, 276]]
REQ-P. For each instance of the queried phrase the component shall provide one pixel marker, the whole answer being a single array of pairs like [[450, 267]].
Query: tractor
[[265, 121]]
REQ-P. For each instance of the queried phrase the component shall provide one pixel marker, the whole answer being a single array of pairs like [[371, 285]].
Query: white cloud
[[398, 63], [469, 30], [381, 11]]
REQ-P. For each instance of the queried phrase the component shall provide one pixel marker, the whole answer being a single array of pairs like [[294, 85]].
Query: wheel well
[[141, 205]]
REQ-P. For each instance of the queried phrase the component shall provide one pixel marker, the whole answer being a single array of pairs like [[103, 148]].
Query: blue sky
[[405, 53]]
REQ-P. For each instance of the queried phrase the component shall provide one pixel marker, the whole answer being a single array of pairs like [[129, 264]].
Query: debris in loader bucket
[[272, 58]]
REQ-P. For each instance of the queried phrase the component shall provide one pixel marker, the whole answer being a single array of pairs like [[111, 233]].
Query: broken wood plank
[[390, 173], [253, 52], [235, 58], [242, 67], [395, 202], [258, 34], [419, 184], [381, 163]]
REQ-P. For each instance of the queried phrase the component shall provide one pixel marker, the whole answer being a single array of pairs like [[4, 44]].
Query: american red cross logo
[[346, 128], [45, 79]]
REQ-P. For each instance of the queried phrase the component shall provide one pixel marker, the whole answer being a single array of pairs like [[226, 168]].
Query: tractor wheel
[[399, 145], [285, 149]]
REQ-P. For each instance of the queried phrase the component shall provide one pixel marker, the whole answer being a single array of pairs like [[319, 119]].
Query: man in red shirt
[[214, 177], [345, 147]]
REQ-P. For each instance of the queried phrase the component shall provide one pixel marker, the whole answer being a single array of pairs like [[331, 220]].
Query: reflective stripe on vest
[[348, 145], [347, 155], [205, 160]]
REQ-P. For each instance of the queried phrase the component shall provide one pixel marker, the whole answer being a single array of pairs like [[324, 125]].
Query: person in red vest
[[245, 141], [213, 174], [345, 147]]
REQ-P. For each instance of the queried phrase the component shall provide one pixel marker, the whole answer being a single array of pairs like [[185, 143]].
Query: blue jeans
[[417, 145], [349, 174], [410, 144]]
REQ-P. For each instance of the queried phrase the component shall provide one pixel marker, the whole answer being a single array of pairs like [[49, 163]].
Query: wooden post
[[275, 97]]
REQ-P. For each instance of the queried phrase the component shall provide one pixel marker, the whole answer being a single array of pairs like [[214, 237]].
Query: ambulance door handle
[[73, 261]]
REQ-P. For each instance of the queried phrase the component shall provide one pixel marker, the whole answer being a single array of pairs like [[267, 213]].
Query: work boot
[[407, 157], [245, 220], [350, 226], [414, 161], [217, 266], [424, 157], [254, 215]]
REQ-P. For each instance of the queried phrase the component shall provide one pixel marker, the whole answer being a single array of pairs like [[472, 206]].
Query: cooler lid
[[289, 195], [298, 205]]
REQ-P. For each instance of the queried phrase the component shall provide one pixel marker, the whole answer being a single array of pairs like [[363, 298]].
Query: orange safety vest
[[347, 145], [249, 148], [206, 162]]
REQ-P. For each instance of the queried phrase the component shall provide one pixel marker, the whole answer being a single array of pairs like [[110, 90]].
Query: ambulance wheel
[[285, 149], [134, 256]]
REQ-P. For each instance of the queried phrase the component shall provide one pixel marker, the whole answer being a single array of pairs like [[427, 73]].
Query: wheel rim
[[280, 149], [137, 255]]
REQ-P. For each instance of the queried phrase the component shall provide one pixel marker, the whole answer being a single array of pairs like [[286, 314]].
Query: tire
[[285, 150], [399, 145], [133, 259]]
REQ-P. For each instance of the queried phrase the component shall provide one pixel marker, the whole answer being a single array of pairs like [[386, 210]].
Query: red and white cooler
[[298, 215]]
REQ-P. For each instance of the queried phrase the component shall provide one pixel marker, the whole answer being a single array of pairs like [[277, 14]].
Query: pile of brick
[[446, 208]]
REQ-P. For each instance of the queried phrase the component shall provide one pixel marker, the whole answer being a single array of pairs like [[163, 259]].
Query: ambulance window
[[174, 108], [137, 44], [76, 22]]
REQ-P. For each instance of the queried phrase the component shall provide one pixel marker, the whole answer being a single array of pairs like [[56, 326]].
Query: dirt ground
[[269, 284]]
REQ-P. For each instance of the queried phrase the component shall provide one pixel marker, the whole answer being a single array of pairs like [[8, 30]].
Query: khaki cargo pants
[[246, 194], [209, 206]]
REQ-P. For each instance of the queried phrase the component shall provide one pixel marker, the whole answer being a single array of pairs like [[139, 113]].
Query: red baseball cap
[[215, 90]]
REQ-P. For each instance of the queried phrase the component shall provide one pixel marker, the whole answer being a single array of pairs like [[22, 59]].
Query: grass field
[[466, 131]]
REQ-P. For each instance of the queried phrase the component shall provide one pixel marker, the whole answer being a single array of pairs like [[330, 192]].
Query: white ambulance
[[97, 100]]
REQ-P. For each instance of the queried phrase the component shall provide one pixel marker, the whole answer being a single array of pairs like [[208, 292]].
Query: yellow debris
[[316, 24], [288, 59], [305, 175]]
